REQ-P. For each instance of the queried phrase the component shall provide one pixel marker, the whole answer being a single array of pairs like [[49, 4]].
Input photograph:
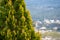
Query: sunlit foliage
[[15, 21]]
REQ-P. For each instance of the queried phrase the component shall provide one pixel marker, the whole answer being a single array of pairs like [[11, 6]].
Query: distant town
[[47, 24], [48, 28]]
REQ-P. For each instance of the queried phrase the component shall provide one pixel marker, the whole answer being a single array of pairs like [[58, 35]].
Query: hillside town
[[46, 31]]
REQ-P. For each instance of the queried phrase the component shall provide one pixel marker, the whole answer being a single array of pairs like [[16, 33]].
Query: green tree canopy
[[15, 21]]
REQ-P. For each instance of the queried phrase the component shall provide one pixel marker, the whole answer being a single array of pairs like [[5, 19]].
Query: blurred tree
[[15, 21]]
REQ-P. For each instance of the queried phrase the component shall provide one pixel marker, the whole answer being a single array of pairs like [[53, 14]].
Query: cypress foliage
[[15, 21]]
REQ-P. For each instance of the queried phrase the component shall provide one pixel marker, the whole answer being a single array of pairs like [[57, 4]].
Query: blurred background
[[46, 17]]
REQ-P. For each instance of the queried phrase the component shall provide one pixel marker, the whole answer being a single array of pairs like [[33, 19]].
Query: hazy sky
[[47, 8]]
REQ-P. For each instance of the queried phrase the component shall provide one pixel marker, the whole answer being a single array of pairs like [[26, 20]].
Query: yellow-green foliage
[[15, 21]]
